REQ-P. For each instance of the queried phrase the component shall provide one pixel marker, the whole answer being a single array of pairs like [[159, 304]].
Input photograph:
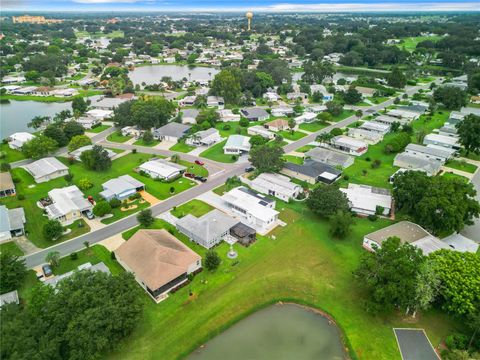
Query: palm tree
[[53, 258], [324, 137]]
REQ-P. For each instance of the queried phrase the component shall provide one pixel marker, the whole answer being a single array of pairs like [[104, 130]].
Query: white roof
[[66, 200], [162, 168], [367, 197], [268, 180], [375, 126], [251, 204], [99, 113], [238, 142], [458, 242], [45, 166], [349, 142], [306, 116], [450, 140], [21, 136]]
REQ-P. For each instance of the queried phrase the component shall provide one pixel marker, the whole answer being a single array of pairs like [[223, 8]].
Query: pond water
[[152, 74], [15, 116], [277, 332]]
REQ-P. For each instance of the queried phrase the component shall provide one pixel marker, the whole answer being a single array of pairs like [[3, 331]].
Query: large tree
[[451, 97], [469, 132], [55, 132], [316, 72], [96, 159], [326, 200], [152, 112], [397, 78], [227, 84], [267, 157], [78, 141], [39, 147], [73, 128], [12, 272]]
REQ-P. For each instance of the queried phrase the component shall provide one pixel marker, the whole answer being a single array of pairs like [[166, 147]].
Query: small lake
[[152, 74], [16, 115], [276, 332]]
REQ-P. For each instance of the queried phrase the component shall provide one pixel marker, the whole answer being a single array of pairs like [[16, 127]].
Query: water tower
[[249, 16]]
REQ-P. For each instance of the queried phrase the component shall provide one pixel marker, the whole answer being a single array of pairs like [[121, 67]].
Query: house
[[282, 111], [215, 101], [271, 96], [416, 108], [208, 230], [88, 122], [260, 130], [204, 138], [53, 281], [121, 188], [67, 204], [366, 200], [329, 157], [189, 116], [76, 154], [375, 126], [16, 141], [244, 234], [254, 209], [171, 132], [131, 131], [277, 125], [159, 261], [475, 99], [365, 91], [99, 114], [429, 152], [411, 161], [108, 103], [441, 140], [276, 185], [227, 115], [448, 130], [458, 242], [403, 114], [454, 118], [317, 109], [370, 137], [323, 90], [408, 232], [348, 145], [46, 169], [237, 145], [390, 120], [312, 172], [255, 114], [297, 95], [12, 222], [162, 169], [7, 187], [306, 118], [9, 298], [187, 101]]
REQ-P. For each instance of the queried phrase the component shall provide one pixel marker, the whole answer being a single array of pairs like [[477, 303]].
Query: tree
[[38, 121], [85, 184], [212, 260], [316, 72], [340, 224], [267, 157], [96, 159], [52, 230], [145, 218], [326, 200], [79, 105], [451, 97], [53, 258], [12, 272], [428, 285], [352, 96], [147, 137], [469, 133], [151, 112], [102, 208], [396, 78], [335, 108], [390, 274], [227, 85], [39, 147], [73, 128], [292, 124], [459, 274], [397, 143], [79, 141]]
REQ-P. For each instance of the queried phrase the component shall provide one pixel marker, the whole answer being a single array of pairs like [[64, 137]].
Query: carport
[[414, 345]]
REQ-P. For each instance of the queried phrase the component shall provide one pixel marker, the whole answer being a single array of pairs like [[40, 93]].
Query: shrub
[[4, 167], [456, 341], [212, 260], [226, 127], [16, 180], [134, 151], [234, 157], [172, 190], [368, 159], [243, 122], [379, 210], [68, 178], [376, 164], [336, 131], [135, 196], [102, 208], [85, 184], [112, 255], [73, 256], [20, 197], [346, 177], [115, 203], [372, 217]]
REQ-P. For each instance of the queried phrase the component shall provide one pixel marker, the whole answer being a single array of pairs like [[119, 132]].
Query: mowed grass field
[[303, 264], [410, 43]]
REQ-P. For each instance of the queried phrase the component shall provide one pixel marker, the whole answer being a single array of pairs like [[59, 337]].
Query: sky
[[241, 5]]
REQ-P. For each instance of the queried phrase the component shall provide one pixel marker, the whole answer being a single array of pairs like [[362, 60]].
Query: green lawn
[[234, 128], [195, 168], [293, 159], [426, 123], [94, 255], [345, 114], [455, 176], [287, 134], [118, 137], [461, 165], [123, 211], [305, 148], [194, 207], [96, 35], [410, 43], [10, 248], [215, 153], [378, 99], [99, 129], [141, 142], [182, 147], [10, 155], [313, 126], [471, 155], [303, 264]]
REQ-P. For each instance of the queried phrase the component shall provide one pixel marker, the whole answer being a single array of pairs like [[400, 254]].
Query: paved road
[[473, 231], [215, 180]]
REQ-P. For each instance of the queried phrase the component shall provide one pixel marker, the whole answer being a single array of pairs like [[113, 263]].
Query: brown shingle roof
[[6, 182], [156, 257], [277, 123]]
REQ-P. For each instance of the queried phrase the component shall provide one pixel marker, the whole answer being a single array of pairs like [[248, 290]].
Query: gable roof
[[329, 157], [172, 129], [209, 226], [45, 166], [312, 168]]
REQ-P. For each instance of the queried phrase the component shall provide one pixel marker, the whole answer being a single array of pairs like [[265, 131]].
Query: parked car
[[200, 178], [89, 214], [249, 169], [47, 270], [198, 162], [189, 175]]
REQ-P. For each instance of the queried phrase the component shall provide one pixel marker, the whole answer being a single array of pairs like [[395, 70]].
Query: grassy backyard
[[10, 155], [194, 207], [461, 165], [293, 159], [215, 153], [303, 264], [10, 248], [118, 137]]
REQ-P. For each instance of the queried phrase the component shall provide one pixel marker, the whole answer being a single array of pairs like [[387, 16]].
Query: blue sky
[[239, 5]]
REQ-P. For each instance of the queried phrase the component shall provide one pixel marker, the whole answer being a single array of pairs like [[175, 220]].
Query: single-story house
[[67, 205], [454, 118], [108, 103], [389, 120], [365, 200], [171, 132], [227, 115], [441, 140], [271, 96], [282, 111], [348, 145], [415, 162], [306, 118], [370, 137], [323, 90], [365, 91], [255, 114], [159, 261], [448, 130], [99, 114], [9, 298], [78, 152], [408, 232], [131, 131], [260, 130], [208, 230], [189, 116], [330, 157], [237, 145], [88, 122], [317, 109], [277, 125], [204, 138], [215, 101], [121, 187], [403, 114], [297, 95], [46, 169], [458, 242], [375, 126], [7, 187], [187, 101], [416, 108], [276, 185], [53, 282], [12, 222], [429, 152], [312, 172], [244, 234], [162, 169], [254, 209], [16, 141]]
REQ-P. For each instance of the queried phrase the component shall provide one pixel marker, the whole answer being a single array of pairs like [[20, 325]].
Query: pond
[[15, 115], [152, 74], [276, 332]]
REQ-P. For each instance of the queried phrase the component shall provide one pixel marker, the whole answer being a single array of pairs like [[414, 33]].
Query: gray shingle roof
[[172, 129], [312, 168], [208, 226]]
